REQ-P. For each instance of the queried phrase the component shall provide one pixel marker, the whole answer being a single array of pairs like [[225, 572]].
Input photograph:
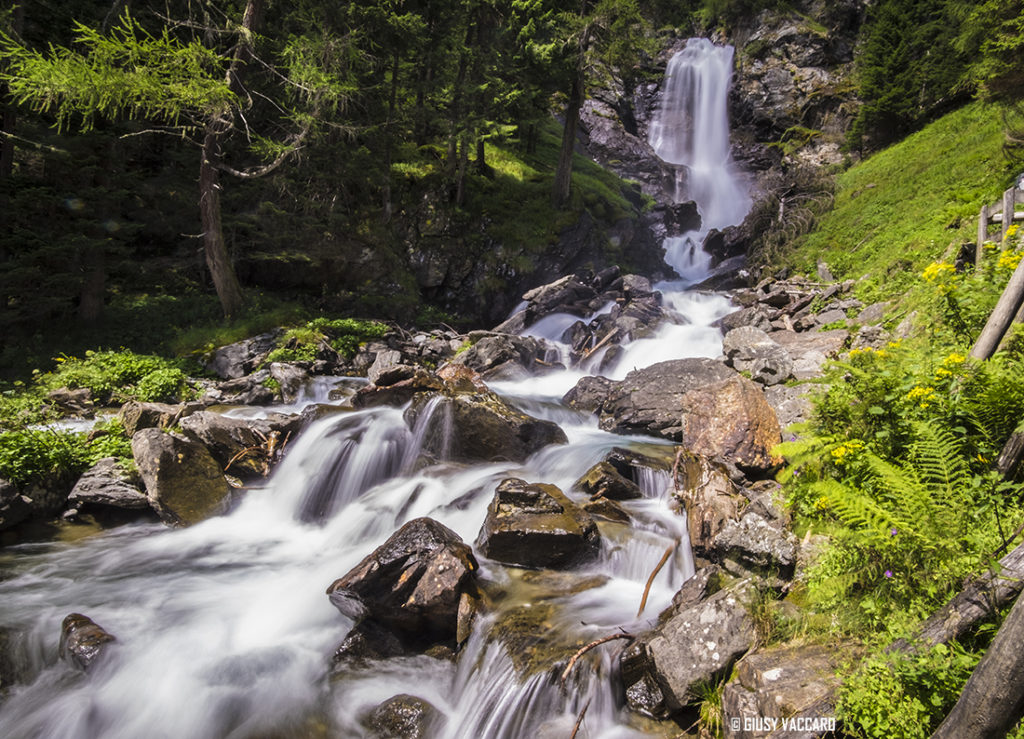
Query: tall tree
[[182, 78]]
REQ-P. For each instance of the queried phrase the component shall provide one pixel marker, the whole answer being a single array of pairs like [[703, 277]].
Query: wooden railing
[[996, 213]]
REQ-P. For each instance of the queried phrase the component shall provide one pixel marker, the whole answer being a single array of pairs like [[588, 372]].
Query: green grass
[[902, 208]]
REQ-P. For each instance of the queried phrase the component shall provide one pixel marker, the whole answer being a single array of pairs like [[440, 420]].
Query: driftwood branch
[[579, 720], [654, 574], [583, 650]]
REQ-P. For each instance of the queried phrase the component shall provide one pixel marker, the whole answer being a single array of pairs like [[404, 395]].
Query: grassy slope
[[902, 208]]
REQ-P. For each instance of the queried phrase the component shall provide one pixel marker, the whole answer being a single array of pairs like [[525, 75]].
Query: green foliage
[[35, 455], [904, 695], [344, 335], [118, 376], [109, 439]]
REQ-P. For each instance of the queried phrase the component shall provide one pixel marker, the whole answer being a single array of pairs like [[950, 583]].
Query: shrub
[[33, 455], [168, 384]]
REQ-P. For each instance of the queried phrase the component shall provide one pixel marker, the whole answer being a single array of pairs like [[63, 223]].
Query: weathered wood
[[1018, 215], [1008, 202], [1009, 461], [982, 233], [992, 701], [974, 603], [1009, 303]]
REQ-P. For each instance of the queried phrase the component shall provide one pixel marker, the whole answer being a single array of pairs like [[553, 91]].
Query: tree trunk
[[563, 175], [225, 282], [388, 136], [992, 701]]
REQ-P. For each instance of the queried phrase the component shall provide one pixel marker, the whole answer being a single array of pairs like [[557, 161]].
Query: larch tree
[[191, 78]]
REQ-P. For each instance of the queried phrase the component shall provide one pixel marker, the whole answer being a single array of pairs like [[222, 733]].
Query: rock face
[[692, 645], [135, 415], [108, 483], [419, 585], [752, 350], [402, 717], [14, 507], [239, 359], [536, 525], [790, 682], [710, 498], [82, 640], [478, 427], [497, 356], [247, 448], [184, 483]]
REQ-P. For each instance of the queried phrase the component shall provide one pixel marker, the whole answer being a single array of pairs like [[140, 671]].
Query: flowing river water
[[223, 629]]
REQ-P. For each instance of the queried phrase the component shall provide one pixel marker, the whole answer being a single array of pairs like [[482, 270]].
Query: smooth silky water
[[224, 629]]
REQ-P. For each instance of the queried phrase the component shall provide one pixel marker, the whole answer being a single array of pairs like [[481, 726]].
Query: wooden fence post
[[1009, 201], [982, 234], [1002, 315]]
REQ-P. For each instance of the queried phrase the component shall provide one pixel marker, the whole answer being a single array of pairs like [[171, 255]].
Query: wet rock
[[609, 510], [648, 401], [366, 642], [710, 498], [604, 480], [412, 585], [83, 641], [402, 717], [248, 448], [786, 682], [589, 393], [291, 378], [749, 349], [108, 483], [14, 507], [536, 525], [754, 544], [479, 427], [397, 393], [692, 645], [184, 483], [565, 295], [135, 415], [504, 356], [731, 420], [236, 360], [77, 402]]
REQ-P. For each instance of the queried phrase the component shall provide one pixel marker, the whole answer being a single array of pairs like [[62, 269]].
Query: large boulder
[[749, 349], [797, 683], [710, 498], [239, 359], [184, 483], [536, 525], [108, 483], [135, 415], [753, 543], [693, 645], [83, 641], [245, 447], [506, 356], [478, 427], [810, 350], [649, 401], [419, 585], [14, 506]]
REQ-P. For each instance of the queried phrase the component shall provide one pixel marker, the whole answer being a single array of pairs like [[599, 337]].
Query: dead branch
[[583, 650], [654, 574], [579, 720], [611, 335]]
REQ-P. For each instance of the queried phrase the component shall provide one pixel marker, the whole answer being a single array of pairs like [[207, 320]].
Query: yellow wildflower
[[1009, 259], [923, 395], [936, 271], [1011, 231], [954, 358], [821, 504]]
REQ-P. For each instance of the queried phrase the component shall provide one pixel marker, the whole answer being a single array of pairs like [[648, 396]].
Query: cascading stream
[[224, 629]]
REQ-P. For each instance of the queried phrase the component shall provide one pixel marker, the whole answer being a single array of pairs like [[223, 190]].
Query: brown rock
[[82, 640], [710, 499], [604, 480]]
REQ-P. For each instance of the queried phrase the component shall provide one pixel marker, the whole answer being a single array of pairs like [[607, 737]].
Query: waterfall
[[691, 131]]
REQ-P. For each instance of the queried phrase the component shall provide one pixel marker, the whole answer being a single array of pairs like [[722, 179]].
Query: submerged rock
[[478, 427], [413, 585], [184, 483], [536, 525], [402, 717], [82, 640]]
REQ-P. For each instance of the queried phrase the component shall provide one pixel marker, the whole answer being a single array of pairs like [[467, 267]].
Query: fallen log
[[979, 600]]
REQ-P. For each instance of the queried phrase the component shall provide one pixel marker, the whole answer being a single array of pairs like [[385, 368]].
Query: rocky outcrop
[[795, 682], [107, 483], [184, 483], [83, 641], [419, 585], [135, 415], [248, 448], [478, 427], [499, 356], [402, 717], [536, 525], [241, 358], [751, 350], [692, 645]]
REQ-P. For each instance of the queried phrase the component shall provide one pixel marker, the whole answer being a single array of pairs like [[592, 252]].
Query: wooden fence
[[997, 213]]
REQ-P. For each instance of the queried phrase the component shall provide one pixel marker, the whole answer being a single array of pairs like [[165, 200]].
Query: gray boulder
[[184, 483], [291, 378], [753, 543], [135, 415], [239, 359], [749, 349], [505, 356], [692, 645], [536, 525], [14, 506], [108, 483], [245, 447]]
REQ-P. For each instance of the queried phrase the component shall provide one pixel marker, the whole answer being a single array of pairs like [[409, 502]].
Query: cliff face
[[792, 100]]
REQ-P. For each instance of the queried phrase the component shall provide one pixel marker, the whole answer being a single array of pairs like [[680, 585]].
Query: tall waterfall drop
[[691, 130]]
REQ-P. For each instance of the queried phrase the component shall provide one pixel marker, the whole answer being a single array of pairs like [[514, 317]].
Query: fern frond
[[858, 510], [938, 457]]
